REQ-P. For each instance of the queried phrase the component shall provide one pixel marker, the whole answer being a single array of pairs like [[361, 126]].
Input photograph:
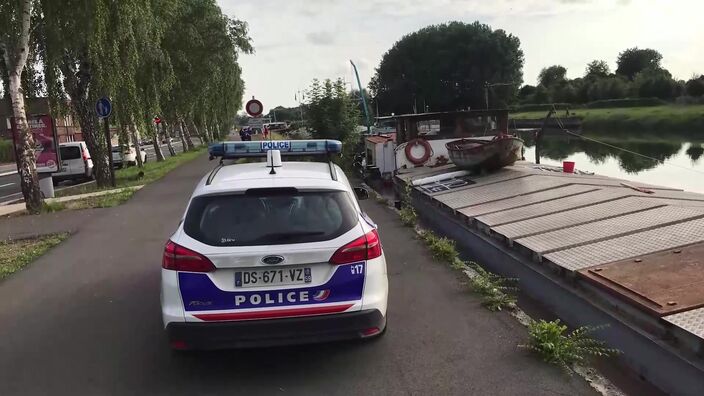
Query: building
[[66, 129]]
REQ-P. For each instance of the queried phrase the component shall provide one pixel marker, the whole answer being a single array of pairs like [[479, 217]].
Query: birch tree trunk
[[157, 146], [199, 132], [187, 134], [172, 151], [184, 145], [135, 142], [15, 61]]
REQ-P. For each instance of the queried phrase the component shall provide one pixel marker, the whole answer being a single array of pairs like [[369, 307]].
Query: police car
[[271, 253]]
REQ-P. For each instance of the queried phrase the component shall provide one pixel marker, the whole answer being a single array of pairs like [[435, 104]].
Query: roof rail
[[214, 172], [333, 172]]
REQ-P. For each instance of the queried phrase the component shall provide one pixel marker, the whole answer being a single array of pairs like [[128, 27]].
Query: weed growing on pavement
[[496, 291], [408, 216], [553, 345], [15, 254], [442, 248]]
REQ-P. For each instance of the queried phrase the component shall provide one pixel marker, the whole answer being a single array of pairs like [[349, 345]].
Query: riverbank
[[685, 120]]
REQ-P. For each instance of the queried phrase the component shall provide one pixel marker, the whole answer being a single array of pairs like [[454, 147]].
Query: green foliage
[[612, 87], [408, 216], [695, 86], [552, 75], [597, 69], [280, 113], [14, 255], [655, 82], [445, 67], [635, 60], [554, 346], [496, 291], [442, 248], [330, 112], [7, 152], [626, 102]]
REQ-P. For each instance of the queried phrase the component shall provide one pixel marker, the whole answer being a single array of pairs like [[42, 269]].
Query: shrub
[[538, 107], [626, 102], [7, 153], [549, 341]]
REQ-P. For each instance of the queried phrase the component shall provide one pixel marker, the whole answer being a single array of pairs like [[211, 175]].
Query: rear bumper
[[274, 332]]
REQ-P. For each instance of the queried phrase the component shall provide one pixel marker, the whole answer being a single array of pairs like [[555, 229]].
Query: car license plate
[[273, 277]]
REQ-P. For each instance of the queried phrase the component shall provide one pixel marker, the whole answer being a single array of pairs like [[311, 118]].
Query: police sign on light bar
[[232, 150]]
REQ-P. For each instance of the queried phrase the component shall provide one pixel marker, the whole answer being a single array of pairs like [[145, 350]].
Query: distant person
[[243, 134], [266, 132]]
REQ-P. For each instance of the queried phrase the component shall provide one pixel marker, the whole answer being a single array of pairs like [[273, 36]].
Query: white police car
[[273, 253]]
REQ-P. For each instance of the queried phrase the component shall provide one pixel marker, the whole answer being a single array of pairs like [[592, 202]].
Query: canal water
[[677, 163]]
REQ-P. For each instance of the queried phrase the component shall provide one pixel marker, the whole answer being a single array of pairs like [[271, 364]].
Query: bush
[[7, 154], [548, 340], [627, 102], [538, 107]]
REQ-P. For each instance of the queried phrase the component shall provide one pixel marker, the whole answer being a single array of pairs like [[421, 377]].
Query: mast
[[364, 100]]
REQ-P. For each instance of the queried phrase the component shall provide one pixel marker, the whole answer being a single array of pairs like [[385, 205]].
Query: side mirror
[[361, 193]]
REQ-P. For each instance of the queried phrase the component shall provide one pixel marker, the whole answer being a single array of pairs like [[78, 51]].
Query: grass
[[100, 201], [550, 341], [16, 254], [687, 119], [128, 177]]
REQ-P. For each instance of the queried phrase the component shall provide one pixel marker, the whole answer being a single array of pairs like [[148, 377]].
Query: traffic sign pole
[[109, 142], [103, 107]]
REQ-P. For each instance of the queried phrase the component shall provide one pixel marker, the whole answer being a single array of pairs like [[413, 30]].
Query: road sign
[[103, 107], [254, 108]]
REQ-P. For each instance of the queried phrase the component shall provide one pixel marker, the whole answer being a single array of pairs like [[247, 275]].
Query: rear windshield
[[269, 217], [70, 152]]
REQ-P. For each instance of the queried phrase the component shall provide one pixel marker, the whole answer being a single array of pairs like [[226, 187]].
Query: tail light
[[178, 258], [365, 247]]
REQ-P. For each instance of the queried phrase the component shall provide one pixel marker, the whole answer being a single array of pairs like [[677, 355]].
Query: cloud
[[321, 38]]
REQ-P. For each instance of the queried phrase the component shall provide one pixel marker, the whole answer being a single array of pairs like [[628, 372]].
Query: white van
[[76, 163]]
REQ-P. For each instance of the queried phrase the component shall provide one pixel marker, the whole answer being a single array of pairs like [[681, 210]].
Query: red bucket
[[568, 166]]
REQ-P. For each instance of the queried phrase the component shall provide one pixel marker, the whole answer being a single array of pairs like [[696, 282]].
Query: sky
[[299, 40]]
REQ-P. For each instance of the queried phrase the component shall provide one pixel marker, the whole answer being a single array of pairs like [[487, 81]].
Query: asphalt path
[[10, 181], [85, 319]]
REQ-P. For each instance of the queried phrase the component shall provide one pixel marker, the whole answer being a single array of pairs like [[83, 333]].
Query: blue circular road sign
[[103, 107]]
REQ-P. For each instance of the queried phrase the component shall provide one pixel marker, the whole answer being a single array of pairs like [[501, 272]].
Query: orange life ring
[[424, 157]]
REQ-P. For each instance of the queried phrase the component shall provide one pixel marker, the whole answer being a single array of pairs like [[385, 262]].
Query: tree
[[15, 20], [596, 69], [330, 112], [655, 83], [695, 86], [552, 75], [446, 67], [525, 94], [634, 60], [612, 87]]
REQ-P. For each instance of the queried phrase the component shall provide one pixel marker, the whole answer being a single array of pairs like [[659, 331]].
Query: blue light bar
[[233, 150]]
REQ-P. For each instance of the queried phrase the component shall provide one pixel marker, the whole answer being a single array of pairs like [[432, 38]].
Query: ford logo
[[272, 260]]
